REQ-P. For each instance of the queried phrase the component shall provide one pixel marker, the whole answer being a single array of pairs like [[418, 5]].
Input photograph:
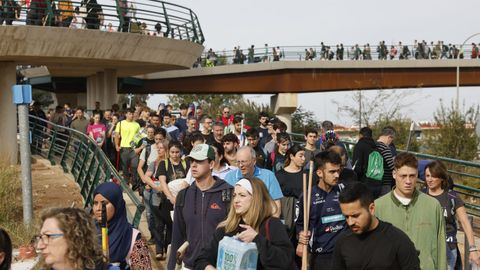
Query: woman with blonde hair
[[251, 220], [68, 240]]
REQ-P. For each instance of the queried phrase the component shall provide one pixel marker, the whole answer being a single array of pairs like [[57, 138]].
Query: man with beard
[[370, 243]]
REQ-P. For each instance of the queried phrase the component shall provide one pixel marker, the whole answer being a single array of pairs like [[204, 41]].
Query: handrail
[[126, 16], [298, 53], [79, 155]]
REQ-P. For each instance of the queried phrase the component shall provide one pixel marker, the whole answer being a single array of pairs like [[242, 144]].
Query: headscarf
[[119, 230]]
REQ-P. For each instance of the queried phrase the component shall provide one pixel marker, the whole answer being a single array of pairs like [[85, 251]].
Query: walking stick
[[307, 197], [305, 222], [104, 226]]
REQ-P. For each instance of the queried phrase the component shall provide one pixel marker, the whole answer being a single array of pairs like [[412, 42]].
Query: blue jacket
[[267, 176], [201, 213], [326, 219]]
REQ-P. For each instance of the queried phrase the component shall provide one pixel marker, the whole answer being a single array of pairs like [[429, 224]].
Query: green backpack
[[375, 166]]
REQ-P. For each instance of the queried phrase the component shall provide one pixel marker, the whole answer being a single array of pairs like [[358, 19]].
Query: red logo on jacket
[[215, 206]]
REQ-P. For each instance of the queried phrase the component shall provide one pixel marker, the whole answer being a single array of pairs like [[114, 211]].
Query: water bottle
[[234, 254]]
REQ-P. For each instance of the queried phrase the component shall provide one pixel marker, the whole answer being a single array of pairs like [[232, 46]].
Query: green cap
[[202, 152]]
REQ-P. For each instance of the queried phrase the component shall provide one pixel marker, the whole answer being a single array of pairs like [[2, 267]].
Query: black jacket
[[200, 215], [362, 149], [276, 253]]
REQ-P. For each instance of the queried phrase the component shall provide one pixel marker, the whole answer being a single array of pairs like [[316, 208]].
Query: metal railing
[[79, 155], [332, 53], [149, 17], [458, 170]]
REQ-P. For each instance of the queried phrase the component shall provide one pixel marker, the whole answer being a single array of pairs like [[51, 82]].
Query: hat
[[202, 152]]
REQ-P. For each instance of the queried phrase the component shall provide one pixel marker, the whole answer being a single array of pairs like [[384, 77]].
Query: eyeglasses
[[243, 162], [226, 112], [46, 237]]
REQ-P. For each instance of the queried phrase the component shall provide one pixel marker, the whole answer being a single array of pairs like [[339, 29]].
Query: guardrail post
[[195, 34], [64, 154], [50, 14], [52, 143], [121, 20], [167, 21]]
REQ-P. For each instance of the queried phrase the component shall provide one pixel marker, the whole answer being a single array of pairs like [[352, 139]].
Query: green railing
[[79, 155], [331, 53], [144, 17]]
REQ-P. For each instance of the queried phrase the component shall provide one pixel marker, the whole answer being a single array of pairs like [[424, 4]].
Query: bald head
[[246, 160]]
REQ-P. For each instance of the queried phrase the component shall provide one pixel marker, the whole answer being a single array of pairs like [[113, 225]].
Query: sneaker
[[160, 257], [151, 241]]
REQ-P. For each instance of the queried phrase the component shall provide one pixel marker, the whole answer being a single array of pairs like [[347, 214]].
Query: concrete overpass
[[312, 76], [98, 57]]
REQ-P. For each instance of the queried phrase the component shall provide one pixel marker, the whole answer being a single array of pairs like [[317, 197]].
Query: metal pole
[[466, 245], [457, 101], [360, 109], [25, 159], [457, 97]]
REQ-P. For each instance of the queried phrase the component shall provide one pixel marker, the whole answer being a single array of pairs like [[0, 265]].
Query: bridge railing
[[149, 17], [461, 171], [350, 53], [79, 155]]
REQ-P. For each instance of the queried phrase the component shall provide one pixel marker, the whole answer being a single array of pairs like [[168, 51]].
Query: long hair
[[437, 169], [5, 247], [293, 151], [261, 208], [83, 251]]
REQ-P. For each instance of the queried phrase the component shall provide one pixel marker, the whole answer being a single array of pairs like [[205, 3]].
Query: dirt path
[[51, 187]]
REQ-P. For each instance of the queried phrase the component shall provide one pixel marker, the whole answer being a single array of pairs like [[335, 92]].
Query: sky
[[227, 24]]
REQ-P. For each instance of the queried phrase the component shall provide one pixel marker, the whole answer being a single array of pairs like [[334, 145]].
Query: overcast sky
[[307, 23]]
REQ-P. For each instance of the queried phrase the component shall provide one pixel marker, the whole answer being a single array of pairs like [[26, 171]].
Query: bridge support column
[[8, 132], [110, 88], [91, 92], [102, 87], [284, 104]]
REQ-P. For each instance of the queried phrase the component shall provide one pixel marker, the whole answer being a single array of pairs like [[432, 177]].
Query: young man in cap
[[199, 208]]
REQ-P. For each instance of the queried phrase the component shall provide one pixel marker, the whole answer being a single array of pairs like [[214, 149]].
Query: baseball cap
[[202, 152]]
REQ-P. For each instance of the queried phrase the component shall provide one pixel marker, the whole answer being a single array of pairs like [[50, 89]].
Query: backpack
[[375, 166]]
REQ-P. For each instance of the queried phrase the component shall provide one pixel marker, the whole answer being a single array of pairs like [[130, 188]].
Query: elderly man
[[246, 161]]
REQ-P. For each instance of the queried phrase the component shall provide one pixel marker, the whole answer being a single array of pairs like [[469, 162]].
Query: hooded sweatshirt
[[202, 211]]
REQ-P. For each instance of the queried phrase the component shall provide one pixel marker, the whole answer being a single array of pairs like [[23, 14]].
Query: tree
[[383, 106], [124, 99], [43, 97], [402, 127], [302, 119], [251, 111], [211, 103], [456, 137]]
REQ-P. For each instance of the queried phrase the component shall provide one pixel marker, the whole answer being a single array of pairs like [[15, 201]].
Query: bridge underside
[[312, 80]]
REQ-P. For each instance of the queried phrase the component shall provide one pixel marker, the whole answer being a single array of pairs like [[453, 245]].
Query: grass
[[11, 214]]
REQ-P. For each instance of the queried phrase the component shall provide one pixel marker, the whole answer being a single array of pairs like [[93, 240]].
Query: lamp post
[[457, 101]]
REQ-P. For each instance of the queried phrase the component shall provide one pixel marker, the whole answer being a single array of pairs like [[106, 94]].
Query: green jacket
[[422, 221]]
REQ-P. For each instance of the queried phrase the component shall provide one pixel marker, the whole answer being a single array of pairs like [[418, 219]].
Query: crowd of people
[[222, 178], [419, 50], [89, 14]]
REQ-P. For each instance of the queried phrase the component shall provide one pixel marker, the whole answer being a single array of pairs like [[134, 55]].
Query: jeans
[[451, 258], [157, 228], [129, 162]]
